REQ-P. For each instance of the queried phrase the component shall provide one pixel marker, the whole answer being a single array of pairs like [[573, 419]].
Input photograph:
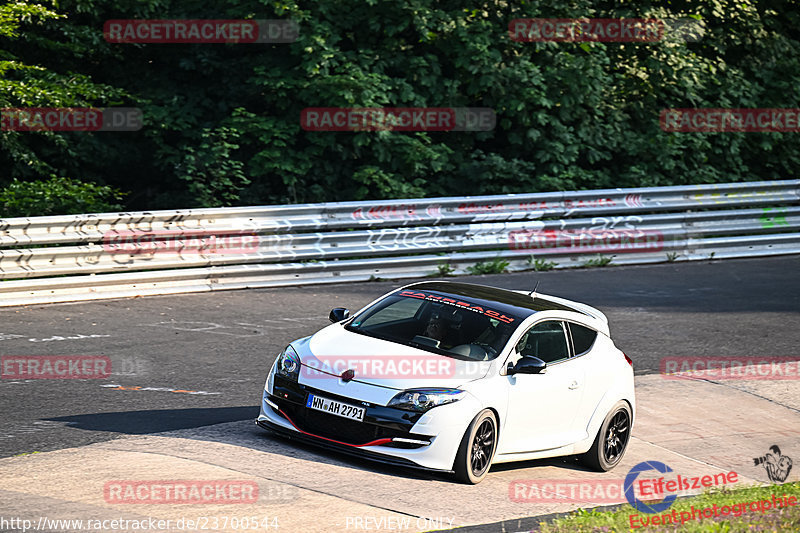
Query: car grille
[[338, 428]]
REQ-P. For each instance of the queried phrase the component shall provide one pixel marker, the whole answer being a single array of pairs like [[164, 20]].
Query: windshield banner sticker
[[458, 303]]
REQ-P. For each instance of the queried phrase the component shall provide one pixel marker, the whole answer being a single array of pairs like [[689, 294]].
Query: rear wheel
[[611, 441], [474, 457]]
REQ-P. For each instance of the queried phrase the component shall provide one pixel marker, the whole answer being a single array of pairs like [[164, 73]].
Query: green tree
[[56, 196], [222, 121]]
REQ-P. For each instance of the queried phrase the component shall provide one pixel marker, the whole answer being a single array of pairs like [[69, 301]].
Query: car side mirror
[[528, 364], [338, 314]]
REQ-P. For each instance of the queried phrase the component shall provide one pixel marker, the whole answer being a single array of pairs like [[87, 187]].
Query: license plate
[[326, 405]]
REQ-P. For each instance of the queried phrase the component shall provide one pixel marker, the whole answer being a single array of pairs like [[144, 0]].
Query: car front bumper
[[420, 440]]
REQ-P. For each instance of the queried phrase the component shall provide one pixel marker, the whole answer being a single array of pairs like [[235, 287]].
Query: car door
[[542, 408], [588, 346]]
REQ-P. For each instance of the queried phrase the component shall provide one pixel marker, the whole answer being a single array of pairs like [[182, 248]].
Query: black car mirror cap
[[338, 314], [528, 364]]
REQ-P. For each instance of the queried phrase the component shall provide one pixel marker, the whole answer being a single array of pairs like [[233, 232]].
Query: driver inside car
[[443, 326], [465, 333]]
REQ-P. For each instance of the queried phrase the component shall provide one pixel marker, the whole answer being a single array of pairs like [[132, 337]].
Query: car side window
[[546, 340], [582, 338]]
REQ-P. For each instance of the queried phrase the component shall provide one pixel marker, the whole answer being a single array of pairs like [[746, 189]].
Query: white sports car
[[455, 377]]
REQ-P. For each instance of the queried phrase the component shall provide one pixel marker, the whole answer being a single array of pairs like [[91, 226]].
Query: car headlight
[[421, 400], [288, 364]]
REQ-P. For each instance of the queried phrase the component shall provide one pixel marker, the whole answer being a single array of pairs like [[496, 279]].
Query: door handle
[[574, 385]]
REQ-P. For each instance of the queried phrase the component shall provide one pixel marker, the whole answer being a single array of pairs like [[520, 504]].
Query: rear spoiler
[[576, 306], [581, 308]]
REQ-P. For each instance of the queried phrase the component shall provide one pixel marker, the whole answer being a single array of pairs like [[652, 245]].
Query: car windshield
[[439, 323]]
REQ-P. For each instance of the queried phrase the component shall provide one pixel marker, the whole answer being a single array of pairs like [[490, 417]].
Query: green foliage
[[222, 120], [599, 261], [214, 177], [12, 14], [737, 502], [445, 269], [540, 265], [495, 266], [672, 256], [56, 196]]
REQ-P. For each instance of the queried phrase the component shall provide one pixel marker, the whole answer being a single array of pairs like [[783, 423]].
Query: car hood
[[377, 364]]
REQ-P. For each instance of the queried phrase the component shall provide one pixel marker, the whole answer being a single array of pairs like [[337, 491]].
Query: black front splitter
[[343, 448]]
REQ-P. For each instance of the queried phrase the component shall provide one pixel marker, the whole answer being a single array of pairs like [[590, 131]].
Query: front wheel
[[477, 448], [611, 441]]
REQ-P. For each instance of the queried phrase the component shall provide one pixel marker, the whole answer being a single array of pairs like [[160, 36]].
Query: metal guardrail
[[130, 254]]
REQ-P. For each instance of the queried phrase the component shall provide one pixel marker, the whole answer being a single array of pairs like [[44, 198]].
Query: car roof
[[504, 300]]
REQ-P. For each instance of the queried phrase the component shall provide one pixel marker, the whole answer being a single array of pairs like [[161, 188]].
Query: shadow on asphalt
[[158, 420], [248, 435], [303, 450], [214, 425]]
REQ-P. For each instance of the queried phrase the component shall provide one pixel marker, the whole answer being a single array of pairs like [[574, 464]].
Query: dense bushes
[[222, 120]]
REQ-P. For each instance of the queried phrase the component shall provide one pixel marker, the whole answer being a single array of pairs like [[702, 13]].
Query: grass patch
[[780, 519], [599, 261], [445, 269], [540, 265], [495, 266]]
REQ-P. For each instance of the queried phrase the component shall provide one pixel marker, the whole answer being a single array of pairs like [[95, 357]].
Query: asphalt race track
[[205, 356]]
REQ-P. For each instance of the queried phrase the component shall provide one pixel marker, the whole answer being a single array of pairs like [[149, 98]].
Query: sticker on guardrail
[[489, 209], [384, 212]]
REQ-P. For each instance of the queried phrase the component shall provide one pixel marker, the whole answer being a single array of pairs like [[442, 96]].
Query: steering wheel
[[479, 352]]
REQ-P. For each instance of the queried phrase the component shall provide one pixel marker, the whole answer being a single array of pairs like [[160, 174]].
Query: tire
[[475, 453], [612, 440]]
